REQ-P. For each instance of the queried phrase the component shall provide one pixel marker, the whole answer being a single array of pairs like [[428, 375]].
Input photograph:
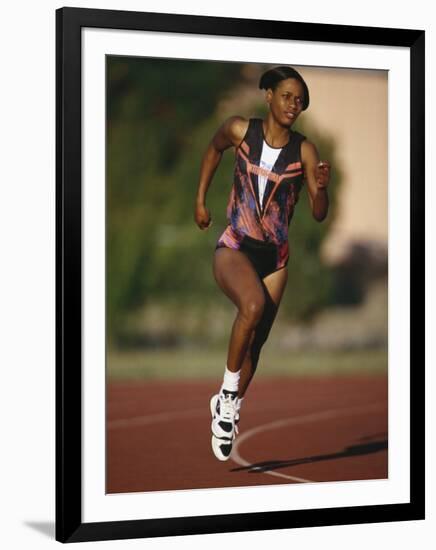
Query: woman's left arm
[[317, 176]]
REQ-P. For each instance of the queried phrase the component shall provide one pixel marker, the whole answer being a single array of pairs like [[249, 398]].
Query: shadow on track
[[353, 450]]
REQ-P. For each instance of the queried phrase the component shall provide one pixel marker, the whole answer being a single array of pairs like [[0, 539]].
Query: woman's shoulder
[[309, 152], [237, 126], [298, 136]]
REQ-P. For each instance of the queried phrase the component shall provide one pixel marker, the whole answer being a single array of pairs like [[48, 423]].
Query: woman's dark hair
[[272, 77]]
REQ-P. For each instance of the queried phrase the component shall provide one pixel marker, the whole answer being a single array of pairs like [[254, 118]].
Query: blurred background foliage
[[161, 114]]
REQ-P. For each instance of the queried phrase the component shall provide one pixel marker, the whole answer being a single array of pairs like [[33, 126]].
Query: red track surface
[[291, 430]]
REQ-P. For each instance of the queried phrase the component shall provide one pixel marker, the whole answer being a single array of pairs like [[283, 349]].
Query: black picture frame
[[69, 524]]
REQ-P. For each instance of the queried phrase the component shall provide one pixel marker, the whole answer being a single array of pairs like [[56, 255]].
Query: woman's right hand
[[202, 216]]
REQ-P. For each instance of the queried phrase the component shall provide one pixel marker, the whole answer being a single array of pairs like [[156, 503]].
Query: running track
[[291, 431]]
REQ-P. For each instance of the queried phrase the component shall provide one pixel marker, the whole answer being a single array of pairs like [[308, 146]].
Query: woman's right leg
[[237, 278], [273, 286]]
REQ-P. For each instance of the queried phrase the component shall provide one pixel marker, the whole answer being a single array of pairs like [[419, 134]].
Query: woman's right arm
[[230, 134]]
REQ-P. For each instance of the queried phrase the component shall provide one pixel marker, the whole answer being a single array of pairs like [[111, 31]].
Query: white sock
[[231, 380]]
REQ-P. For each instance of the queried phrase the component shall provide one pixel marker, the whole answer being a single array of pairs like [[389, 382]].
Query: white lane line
[[294, 421], [154, 418], [166, 417]]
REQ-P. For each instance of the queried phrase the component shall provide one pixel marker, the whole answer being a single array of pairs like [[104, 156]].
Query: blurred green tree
[[153, 105]]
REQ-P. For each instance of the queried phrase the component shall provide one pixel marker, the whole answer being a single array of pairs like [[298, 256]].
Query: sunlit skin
[[257, 301]]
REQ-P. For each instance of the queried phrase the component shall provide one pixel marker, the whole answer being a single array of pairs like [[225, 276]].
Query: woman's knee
[[251, 310]]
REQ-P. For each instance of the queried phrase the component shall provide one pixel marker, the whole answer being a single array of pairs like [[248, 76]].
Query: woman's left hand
[[322, 174]]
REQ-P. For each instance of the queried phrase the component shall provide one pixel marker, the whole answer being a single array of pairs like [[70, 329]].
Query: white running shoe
[[224, 411], [225, 416], [213, 403]]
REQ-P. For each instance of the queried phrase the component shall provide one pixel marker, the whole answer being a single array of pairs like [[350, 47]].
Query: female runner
[[250, 261]]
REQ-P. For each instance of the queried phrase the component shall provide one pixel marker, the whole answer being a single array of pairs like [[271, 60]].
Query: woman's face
[[286, 101]]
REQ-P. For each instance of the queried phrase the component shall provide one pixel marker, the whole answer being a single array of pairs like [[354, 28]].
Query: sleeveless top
[[247, 216]]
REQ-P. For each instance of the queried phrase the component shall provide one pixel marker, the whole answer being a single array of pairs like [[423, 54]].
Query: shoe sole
[[217, 443], [213, 402]]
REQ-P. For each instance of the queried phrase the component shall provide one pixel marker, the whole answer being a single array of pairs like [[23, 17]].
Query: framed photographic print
[[237, 362]]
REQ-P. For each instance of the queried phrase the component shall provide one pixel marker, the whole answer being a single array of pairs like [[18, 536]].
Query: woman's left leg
[[274, 286]]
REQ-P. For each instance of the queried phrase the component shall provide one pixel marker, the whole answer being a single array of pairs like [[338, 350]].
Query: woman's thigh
[[237, 278], [275, 285]]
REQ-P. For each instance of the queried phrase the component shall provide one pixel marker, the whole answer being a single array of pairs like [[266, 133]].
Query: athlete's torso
[[263, 214]]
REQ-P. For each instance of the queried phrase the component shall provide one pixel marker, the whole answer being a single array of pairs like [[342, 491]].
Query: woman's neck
[[275, 134]]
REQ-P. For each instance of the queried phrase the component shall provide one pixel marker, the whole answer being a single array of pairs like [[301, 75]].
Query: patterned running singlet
[[267, 221]]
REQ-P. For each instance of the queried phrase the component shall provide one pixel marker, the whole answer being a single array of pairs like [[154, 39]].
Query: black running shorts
[[262, 255]]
